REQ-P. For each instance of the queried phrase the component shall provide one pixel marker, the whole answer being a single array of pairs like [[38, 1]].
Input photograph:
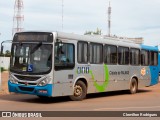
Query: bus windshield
[[31, 58]]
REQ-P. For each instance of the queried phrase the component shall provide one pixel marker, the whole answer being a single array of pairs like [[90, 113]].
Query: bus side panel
[[57, 90], [84, 71], [118, 77], [159, 62], [154, 75], [142, 73], [63, 85], [97, 76]]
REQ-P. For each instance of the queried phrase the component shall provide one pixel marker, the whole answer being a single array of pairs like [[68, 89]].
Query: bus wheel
[[133, 86], [80, 91], [42, 97]]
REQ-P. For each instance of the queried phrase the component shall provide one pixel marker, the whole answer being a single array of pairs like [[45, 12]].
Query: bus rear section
[[159, 62], [152, 63]]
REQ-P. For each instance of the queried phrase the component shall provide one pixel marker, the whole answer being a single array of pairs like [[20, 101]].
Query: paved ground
[[4, 86], [147, 99]]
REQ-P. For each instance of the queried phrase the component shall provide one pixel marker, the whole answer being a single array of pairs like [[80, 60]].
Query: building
[[137, 40], [5, 62]]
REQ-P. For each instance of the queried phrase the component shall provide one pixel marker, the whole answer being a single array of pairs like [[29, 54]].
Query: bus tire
[[42, 97], [133, 86], [80, 91]]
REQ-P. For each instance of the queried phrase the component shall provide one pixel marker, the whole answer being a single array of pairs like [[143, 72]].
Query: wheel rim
[[77, 91]]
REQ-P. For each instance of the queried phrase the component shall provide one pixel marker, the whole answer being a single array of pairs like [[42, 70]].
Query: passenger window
[[144, 57], [123, 55], [82, 52], [96, 53], [153, 58], [110, 54], [134, 56]]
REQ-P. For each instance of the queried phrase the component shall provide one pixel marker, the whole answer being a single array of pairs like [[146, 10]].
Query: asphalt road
[[147, 99]]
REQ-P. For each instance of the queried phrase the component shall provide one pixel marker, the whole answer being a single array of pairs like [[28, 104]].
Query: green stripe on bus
[[101, 88]]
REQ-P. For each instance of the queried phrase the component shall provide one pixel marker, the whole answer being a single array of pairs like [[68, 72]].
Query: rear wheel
[[133, 86], [80, 91]]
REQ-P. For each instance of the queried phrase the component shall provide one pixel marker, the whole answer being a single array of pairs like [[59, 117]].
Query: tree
[[7, 53], [97, 32]]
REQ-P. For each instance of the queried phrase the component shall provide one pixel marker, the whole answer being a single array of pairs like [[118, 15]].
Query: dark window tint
[[123, 55], [82, 52], [110, 54], [134, 56], [38, 56], [33, 37], [96, 53], [64, 56], [144, 57], [153, 58]]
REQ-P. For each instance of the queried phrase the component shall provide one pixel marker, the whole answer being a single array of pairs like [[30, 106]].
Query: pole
[[0, 78], [109, 20], [0, 75], [62, 13]]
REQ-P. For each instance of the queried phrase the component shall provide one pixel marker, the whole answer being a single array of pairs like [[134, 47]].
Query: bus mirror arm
[[6, 41], [1, 49]]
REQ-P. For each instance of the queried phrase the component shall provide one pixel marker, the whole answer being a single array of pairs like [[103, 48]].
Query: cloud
[[132, 18]]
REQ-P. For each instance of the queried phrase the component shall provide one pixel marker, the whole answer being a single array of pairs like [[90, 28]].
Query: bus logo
[[143, 71], [26, 83], [83, 70]]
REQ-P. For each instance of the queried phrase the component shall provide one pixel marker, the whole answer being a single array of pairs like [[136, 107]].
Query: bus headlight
[[12, 79], [45, 81]]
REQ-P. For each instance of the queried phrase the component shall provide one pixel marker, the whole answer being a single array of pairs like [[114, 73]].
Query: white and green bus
[[55, 64]]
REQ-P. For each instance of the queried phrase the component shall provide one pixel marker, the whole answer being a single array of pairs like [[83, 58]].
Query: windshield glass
[[31, 58]]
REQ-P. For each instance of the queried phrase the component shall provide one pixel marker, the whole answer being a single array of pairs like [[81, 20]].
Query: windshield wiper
[[36, 47]]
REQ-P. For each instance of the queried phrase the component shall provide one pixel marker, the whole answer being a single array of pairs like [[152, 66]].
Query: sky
[[130, 18]]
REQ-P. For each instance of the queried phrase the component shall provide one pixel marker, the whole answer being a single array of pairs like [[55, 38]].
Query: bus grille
[[27, 78], [26, 89], [23, 83]]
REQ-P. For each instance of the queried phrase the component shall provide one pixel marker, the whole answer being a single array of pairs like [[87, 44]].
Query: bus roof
[[104, 40], [154, 48], [97, 39]]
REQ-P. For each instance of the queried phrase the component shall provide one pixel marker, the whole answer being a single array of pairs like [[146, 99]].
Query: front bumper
[[33, 90]]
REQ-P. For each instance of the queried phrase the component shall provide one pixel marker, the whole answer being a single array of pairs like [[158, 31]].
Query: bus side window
[[144, 57], [134, 56], [123, 55], [82, 52], [153, 58], [110, 54], [96, 53]]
